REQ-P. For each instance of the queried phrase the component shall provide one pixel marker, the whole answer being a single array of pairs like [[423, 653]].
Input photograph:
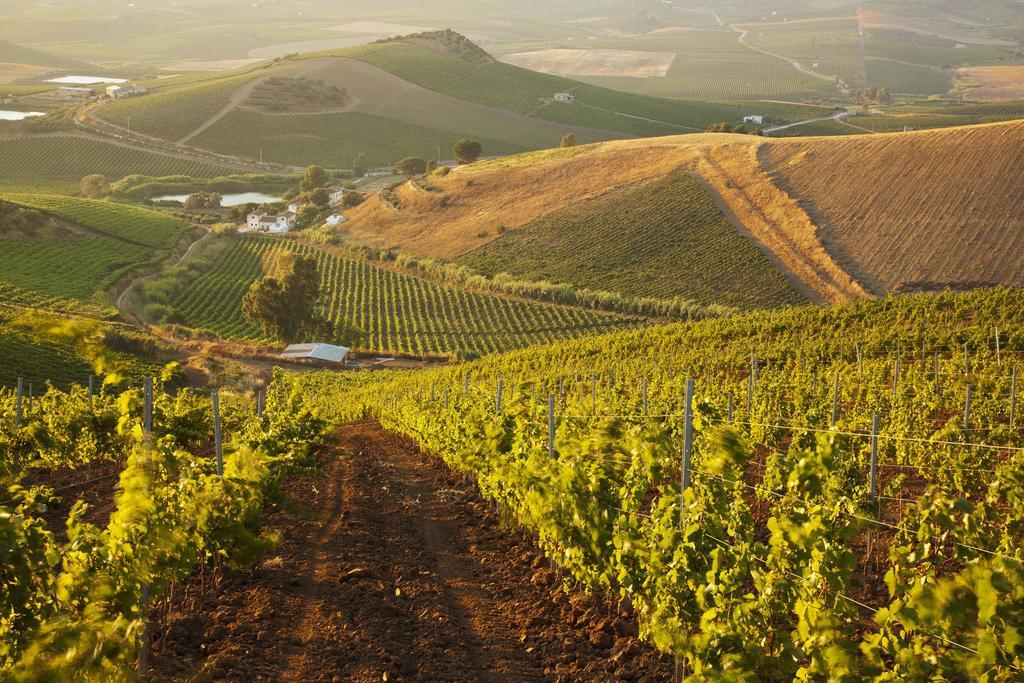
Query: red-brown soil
[[391, 567]]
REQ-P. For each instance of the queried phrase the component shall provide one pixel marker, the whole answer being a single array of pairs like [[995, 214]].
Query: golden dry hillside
[[914, 210], [451, 216]]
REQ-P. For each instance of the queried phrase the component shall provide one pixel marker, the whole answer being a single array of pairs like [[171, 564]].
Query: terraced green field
[[333, 140], [906, 78], [397, 312], [27, 160], [131, 224], [663, 239]]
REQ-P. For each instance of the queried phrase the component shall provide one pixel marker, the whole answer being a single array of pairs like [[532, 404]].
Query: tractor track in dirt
[[391, 567]]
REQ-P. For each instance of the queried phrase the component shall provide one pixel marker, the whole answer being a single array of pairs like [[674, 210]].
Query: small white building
[[71, 92], [117, 92], [296, 204], [327, 353], [337, 193], [754, 119], [564, 97], [335, 219], [270, 222]]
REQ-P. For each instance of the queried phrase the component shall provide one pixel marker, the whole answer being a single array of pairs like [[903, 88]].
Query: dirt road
[[390, 567]]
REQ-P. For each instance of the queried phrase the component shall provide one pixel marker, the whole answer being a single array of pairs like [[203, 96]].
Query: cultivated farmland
[[71, 157], [664, 238], [397, 312], [128, 223], [927, 209]]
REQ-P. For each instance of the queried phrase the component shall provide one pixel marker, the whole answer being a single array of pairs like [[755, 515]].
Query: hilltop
[[843, 218], [412, 95]]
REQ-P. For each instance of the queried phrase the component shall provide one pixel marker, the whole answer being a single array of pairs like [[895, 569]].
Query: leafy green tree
[[359, 166], [283, 303], [411, 166], [95, 186], [321, 197], [468, 151], [569, 140], [197, 201], [351, 199], [316, 176], [307, 215]]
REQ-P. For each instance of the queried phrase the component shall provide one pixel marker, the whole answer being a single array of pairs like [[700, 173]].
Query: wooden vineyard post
[[498, 397], [938, 386], [217, 437], [895, 377], [1013, 395], [465, 384], [551, 426], [687, 455], [433, 391], [874, 459], [447, 398], [18, 412], [91, 393], [687, 441], [835, 400], [999, 360], [260, 398], [593, 395], [967, 360], [860, 362], [967, 408]]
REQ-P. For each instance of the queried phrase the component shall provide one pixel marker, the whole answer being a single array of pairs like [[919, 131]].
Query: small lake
[[228, 200], [85, 80], [7, 115]]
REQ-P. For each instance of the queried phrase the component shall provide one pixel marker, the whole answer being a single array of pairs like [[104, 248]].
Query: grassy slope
[[333, 140], [664, 239], [128, 223], [18, 54], [398, 313], [71, 157], [920, 209]]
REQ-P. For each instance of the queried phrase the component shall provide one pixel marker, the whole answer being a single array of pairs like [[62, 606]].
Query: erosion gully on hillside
[[391, 567]]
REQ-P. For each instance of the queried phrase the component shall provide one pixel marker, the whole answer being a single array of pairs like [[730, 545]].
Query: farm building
[[564, 97], [270, 222], [334, 219], [296, 204], [319, 352], [337, 194], [756, 119], [75, 92], [117, 92]]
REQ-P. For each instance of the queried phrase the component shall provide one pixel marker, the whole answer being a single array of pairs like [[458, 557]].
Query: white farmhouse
[[270, 222], [297, 204], [117, 92], [337, 194], [564, 97], [754, 119]]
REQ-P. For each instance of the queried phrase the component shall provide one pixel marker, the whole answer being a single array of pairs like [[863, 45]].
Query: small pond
[[7, 115], [228, 200]]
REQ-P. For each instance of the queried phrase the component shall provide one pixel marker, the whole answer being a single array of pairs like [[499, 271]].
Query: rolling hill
[[415, 95], [845, 218]]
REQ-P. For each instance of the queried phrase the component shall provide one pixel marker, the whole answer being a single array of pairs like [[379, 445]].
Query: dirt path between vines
[[391, 567]]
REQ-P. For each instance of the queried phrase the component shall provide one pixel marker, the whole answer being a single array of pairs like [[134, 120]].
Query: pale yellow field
[[870, 19], [913, 210], [582, 62], [375, 27], [999, 83], [13, 72]]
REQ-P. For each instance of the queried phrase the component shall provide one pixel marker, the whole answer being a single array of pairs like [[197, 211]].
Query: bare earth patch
[[580, 62], [992, 82]]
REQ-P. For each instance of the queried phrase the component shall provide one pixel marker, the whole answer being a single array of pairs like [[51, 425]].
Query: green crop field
[[131, 224], [906, 78], [397, 312], [821, 128], [663, 239], [173, 114], [37, 362], [729, 477], [333, 140], [71, 157], [94, 307], [72, 268]]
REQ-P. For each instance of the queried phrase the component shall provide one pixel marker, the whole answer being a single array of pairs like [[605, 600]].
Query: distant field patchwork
[[597, 62]]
